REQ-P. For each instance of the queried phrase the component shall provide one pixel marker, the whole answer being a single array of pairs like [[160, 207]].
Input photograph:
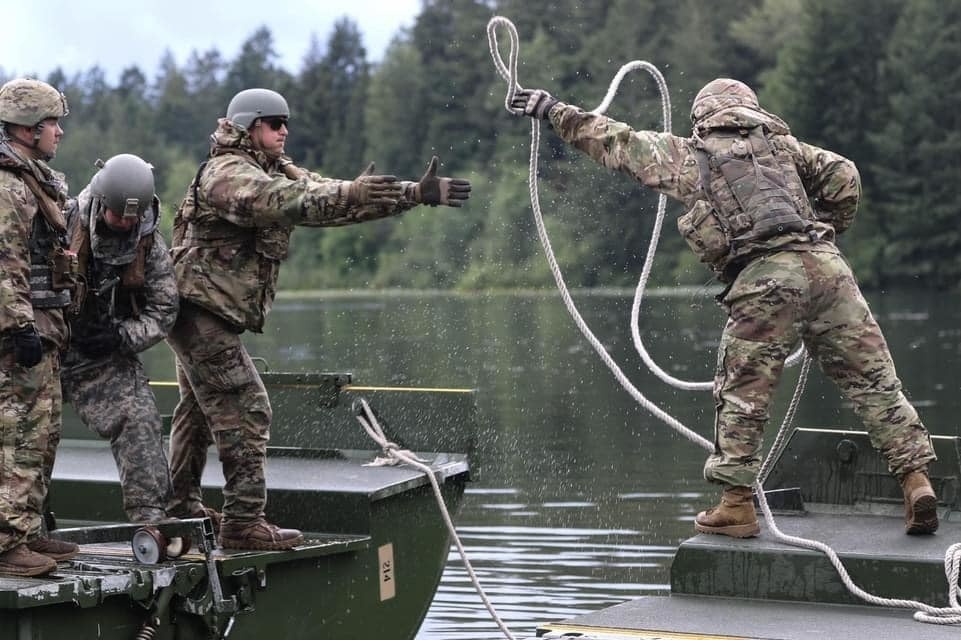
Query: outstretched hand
[[368, 188], [535, 103], [451, 192]]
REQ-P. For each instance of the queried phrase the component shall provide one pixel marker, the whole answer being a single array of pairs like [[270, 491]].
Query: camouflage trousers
[[224, 402], [810, 296], [30, 416], [113, 398]]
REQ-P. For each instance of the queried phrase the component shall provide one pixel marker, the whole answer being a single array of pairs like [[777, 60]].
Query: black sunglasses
[[274, 123]]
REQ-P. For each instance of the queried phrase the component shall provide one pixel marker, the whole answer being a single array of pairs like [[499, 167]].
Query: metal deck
[[338, 471], [109, 569], [877, 554]]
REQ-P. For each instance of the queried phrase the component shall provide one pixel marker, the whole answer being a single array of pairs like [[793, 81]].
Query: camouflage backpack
[[753, 195]]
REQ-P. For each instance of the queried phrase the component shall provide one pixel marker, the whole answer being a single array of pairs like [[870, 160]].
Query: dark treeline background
[[876, 80]]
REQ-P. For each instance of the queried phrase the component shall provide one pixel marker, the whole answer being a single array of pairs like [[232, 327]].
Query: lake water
[[581, 496]]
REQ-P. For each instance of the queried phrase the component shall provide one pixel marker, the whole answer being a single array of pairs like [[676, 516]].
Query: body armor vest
[[117, 289], [52, 269], [755, 199]]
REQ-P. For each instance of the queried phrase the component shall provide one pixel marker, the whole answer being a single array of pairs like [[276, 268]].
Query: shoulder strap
[[48, 208], [704, 167]]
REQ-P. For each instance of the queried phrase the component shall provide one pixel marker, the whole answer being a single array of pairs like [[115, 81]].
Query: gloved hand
[[27, 348], [535, 103], [432, 190], [100, 344], [368, 188]]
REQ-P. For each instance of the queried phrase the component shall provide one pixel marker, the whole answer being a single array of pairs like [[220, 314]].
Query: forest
[[878, 81]]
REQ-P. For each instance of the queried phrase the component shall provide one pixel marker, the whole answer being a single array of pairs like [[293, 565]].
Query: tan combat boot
[[920, 503], [56, 549], [259, 535], [21, 561], [734, 516]]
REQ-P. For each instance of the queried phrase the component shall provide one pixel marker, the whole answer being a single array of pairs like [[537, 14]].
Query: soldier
[[764, 209], [130, 304], [231, 234], [35, 281]]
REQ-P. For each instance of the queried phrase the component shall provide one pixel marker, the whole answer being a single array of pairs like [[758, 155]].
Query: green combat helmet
[[250, 104], [28, 102]]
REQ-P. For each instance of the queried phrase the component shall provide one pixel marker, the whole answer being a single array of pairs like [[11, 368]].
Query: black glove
[[27, 348], [100, 344], [535, 103], [368, 188], [432, 190]]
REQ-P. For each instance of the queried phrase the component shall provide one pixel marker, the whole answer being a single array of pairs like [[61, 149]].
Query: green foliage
[[916, 151], [875, 80]]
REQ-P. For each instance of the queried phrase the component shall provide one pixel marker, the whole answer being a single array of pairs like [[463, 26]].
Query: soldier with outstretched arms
[[231, 234]]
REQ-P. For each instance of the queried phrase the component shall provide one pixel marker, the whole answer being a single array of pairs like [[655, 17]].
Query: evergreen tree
[[827, 85], [329, 127], [204, 77], [916, 152]]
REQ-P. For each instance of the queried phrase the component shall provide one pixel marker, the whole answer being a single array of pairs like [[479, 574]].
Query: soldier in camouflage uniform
[[130, 304], [763, 211], [231, 234], [34, 289]]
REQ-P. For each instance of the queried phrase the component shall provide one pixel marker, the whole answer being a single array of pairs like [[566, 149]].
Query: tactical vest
[[242, 291], [118, 288], [53, 268], [755, 200], [271, 243]]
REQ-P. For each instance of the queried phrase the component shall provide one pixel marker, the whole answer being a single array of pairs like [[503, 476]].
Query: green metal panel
[[842, 468], [316, 410]]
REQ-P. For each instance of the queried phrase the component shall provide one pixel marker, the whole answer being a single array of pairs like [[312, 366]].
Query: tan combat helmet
[[720, 94], [28, 102]]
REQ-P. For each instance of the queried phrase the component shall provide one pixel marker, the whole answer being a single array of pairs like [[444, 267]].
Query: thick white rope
[[924, 613], [511, 76], [393, 452]]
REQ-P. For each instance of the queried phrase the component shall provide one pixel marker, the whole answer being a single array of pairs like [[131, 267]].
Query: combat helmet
[[27, 102], [250, 104], [125, 183], [727, 103], [720, 94]]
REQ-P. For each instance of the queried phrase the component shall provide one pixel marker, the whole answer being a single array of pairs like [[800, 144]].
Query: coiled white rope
[[924, 612], [511, 76], [392, 452]]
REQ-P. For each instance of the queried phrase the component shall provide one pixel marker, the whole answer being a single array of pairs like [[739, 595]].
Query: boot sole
[[25, 573], [924, 516], [749, 530], [59, 556], [261, 545]]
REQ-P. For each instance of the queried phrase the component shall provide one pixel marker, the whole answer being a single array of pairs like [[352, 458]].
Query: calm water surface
[[581, 496]]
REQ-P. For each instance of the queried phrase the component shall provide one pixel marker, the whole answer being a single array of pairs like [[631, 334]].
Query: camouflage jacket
[[232, 229], [18, 208], [142, 311], [668, 164]]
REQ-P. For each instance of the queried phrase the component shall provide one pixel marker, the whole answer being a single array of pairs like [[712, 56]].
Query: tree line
[[875, 80]]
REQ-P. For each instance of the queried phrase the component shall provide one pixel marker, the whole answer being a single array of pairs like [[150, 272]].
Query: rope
[[511, 76], [367, 420], [924, 613]]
